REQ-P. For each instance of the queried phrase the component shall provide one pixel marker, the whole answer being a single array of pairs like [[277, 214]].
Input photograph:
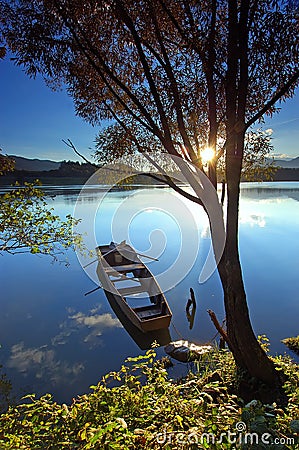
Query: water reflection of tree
[[264, 193], [5, 392], [191, 309]]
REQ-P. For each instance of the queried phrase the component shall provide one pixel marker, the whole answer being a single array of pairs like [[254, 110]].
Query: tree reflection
[[191, 309], [5, 392]]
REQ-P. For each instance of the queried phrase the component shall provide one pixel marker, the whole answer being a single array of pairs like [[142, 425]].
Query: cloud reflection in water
[[94, 322], [42, 361], [253, 220]]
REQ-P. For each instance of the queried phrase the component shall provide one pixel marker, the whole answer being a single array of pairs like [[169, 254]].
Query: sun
[[207, 154]]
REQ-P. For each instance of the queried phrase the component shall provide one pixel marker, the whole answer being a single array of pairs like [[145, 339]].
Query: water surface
[[54, 339]]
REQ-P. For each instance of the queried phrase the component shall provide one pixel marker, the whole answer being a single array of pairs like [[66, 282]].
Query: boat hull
[[145, 325]]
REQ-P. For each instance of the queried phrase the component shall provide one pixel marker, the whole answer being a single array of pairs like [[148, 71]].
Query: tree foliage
[[114, 143], [2, 52], [292, 343], [257, 164], [27, 224]]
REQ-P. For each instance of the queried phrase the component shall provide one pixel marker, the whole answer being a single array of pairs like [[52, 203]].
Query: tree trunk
[[248, 354]]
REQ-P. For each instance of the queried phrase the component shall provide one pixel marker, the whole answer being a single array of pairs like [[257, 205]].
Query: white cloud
[[280, 156]]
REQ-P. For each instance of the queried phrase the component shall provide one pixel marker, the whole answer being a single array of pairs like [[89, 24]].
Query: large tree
[[180, 74]]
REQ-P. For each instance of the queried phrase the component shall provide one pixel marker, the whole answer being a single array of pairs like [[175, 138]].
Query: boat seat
[[152, 316], [131, 290], [145, 313], [124, 268]]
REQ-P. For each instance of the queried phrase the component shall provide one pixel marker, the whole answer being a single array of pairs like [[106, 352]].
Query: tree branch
[[218, 326], [294, 78], [166, 140], [151, 125], [71, 145], [174, 88], [166, 178]]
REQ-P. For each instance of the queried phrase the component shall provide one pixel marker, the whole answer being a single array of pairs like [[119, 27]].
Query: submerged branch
[[218, 327]]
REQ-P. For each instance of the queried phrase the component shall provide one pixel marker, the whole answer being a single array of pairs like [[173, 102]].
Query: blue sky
[[34, 120]]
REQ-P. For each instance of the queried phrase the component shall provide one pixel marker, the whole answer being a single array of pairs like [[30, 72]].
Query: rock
[[213, 377], [185, 351]]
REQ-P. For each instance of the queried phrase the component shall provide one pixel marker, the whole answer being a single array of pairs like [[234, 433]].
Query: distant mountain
[[34, 165], [39, 165], [288, 164]]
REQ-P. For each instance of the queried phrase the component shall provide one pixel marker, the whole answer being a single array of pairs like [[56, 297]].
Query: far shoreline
[[48, 178]]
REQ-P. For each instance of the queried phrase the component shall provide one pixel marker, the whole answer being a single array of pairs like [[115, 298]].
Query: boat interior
[[133, 281]]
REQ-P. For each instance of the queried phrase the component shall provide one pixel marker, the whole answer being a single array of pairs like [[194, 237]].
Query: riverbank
[[202, 410]]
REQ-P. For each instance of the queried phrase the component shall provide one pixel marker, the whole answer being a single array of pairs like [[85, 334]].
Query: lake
[[55, 339]]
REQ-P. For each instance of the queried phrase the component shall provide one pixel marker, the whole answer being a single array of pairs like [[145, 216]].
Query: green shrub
[[140, 407]]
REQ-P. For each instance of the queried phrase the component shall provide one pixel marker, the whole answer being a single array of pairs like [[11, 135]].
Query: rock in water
[[185, 351]]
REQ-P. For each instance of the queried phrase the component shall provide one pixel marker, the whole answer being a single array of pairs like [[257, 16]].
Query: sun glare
[[207, 154]]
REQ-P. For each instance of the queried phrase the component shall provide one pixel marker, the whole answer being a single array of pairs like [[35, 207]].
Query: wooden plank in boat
[[124, 268], [147, 313], [131, 290]]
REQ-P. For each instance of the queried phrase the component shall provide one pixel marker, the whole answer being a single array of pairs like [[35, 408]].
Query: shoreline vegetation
[[292, 343], [79, 173], [140, 407]]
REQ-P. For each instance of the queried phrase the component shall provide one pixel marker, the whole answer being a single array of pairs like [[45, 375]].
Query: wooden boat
[[126, 279], [144, 340]]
